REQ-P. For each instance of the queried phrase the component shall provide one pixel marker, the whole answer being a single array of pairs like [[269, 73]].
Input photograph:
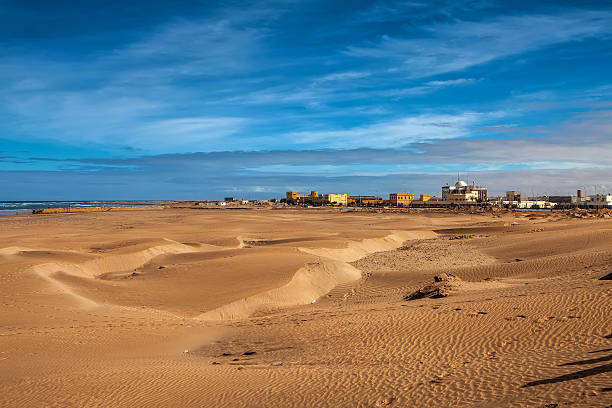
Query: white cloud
[[190, 48], [391, 134], [342, 76], [451, 82], [456, 46], [180, 133]]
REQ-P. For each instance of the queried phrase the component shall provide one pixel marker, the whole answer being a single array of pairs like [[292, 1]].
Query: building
[[365, 200], [462, 193], [401, 199], [293, 196], [600, 200], [563, 200], [424, 197], [462, 198], [315, 198], [532, 204], [336, 199], [516, 196]]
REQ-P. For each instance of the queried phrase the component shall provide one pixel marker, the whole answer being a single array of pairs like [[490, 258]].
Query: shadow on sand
[[578, 374]]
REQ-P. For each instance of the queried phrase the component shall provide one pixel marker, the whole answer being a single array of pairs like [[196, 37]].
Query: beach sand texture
[[304, 308]]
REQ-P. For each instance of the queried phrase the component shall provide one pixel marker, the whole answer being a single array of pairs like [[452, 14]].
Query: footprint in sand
[[385, 402]]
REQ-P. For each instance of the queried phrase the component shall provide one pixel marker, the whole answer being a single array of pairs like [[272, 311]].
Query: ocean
[[26, 207]]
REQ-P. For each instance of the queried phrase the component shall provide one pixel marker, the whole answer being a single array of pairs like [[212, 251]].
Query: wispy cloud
[[188, 48], [451, 82], [450, 47], [342, 76], [392, 134], [188, 133]]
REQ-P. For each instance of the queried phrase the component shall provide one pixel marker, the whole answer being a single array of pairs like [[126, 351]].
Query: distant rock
[[442, 287], [444, 277], [431, 291]]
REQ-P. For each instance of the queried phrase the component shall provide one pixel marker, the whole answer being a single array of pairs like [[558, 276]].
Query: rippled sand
[[183, 307]]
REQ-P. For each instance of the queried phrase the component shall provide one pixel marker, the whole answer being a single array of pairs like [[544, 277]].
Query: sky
[[203, 99]]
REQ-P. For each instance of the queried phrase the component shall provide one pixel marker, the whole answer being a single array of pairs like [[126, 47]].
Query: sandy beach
[[305, 308]]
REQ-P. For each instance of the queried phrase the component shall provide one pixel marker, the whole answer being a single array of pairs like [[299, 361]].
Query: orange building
[[401, 199], [364, 200], [294, 196]]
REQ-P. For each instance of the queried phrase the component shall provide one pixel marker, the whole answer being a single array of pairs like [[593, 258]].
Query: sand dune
[[304, 308]]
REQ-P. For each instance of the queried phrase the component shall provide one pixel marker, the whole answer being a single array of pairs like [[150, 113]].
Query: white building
[[600, 200], [529, 204], [462, 192]]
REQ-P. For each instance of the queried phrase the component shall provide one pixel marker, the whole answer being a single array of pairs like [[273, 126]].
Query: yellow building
[[425, 197], [315, 198], [294, 196], [360, 200], [336, 199], [401, 199]]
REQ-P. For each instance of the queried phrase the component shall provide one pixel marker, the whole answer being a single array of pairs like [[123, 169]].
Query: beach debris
[[441, 287], [249, 353], [161, 267], [463, 236], [430, 291], [444, 277], [216, 363], [278, 363], [185, 351], [313, 302]]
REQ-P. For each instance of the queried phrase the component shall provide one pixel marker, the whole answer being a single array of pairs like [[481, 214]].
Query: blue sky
[[203, 99]]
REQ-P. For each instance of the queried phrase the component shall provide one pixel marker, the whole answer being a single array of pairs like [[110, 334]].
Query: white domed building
[[463, 193]]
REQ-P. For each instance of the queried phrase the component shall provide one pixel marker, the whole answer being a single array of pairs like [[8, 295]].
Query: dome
[[460, 183]]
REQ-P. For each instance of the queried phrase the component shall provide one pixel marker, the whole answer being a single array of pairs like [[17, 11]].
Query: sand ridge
[[310, 282]]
